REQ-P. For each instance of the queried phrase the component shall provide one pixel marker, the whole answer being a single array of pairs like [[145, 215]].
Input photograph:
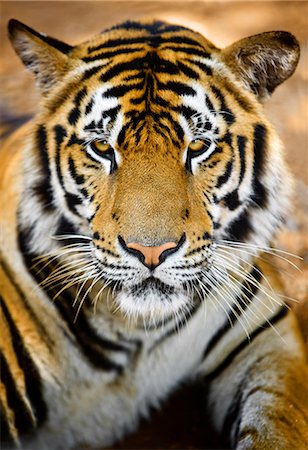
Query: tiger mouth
[[152, 284]]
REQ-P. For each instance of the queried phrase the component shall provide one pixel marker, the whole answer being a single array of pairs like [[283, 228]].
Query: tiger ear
[[263, 61], [45, 56]]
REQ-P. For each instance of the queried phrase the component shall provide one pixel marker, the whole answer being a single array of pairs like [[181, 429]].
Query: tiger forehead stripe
[[152, 35], [152, 90]]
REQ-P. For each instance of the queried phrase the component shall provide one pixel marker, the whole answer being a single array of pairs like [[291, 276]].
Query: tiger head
[[151, 143]]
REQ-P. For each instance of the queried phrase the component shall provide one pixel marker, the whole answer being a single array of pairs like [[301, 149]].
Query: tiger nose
[[152, 256]]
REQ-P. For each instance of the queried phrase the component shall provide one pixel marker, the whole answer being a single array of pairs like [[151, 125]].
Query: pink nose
[[151, 254]]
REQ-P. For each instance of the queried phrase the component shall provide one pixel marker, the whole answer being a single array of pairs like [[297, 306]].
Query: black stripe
[[259, 145], [92, 126], [205, 68], [89, 106], [64, 226], [225, 112], [74, 140], [185, 40], [229, 359], [225, 177], [79, 179], [152, 28], [188, 71], [72, 200], [112, 53], [241, 144], [43, 189], [241, 303], [122, 134], [122, 89], [74, 115], [160, 65], [80, 96], [187, 112], [232, 201], [23, 419], [112, 113], [90, 72], [120, 68], [259, 148], [121, 42], [177, 87], [188, 50], [60, 134], [134, 77], [32, 377], [240, 228]]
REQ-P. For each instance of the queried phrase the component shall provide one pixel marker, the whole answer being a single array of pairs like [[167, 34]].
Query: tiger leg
[[259, 398]]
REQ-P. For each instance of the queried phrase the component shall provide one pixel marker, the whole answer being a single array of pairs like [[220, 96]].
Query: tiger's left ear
[[45, 56], [263, 61]]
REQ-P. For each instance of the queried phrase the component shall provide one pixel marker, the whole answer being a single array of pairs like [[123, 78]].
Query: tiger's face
[[157, 149]]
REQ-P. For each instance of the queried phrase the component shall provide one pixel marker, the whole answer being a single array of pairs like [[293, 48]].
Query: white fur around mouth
[[147, 302]]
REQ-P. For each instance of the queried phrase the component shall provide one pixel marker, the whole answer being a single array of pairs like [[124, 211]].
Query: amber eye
[[196, 148], [100, 147], [199, 145], [102, 150]]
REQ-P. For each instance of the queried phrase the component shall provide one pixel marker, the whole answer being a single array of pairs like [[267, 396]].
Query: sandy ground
[[181, 424]]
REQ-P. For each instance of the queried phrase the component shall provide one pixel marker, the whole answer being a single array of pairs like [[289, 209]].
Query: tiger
[[138, 211]]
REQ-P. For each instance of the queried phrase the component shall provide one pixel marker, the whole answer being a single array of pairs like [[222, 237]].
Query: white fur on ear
[[46, 57], [263, 61]]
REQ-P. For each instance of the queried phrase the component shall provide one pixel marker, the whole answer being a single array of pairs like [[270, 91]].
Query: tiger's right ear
[[45, 56]]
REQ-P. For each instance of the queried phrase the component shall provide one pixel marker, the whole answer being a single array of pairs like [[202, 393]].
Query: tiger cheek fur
[[137, 210]]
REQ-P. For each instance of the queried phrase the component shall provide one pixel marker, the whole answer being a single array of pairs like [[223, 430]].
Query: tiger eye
[[198, 145], [104, 151], [196, 148], [100, 146]]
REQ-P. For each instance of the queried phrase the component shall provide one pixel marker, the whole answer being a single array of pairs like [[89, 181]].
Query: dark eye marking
[[196, 148]]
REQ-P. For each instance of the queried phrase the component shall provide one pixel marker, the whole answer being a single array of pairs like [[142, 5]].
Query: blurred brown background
[[181, 423]]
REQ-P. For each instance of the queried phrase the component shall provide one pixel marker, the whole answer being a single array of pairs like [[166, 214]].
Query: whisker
[[59, 237], [257, 247], [231, 295], [252, 266], [84, 297], [258, 285], [241, 249]]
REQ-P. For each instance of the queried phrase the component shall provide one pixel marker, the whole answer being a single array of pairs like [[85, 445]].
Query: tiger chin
[[137, 211]]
